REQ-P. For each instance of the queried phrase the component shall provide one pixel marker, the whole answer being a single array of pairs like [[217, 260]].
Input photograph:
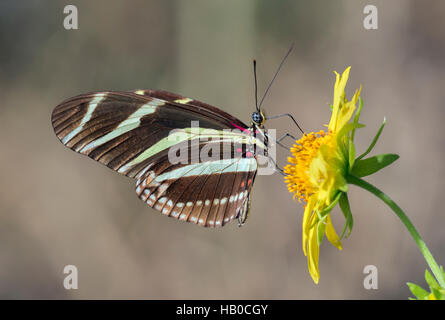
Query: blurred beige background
[[59, 208]]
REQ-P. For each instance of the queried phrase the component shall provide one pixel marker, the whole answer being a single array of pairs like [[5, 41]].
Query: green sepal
[[373, 164], [321, 219], [351, 152], [344, 143], [321, 227], [430, 280], [439, 293], [346, 209], [346, 129], [374, 141], [331, 206], [357, 116], [351, 155], [321, 216], [418, 291]]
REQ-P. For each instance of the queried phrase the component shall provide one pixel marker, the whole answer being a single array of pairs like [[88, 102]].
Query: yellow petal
[[308, 220], [331, 234], [346, 112], [339, 93], [313, 255], [335, 103]]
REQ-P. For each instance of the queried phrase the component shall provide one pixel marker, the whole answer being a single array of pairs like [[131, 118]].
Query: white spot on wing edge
[[183, 101], [162, 188]]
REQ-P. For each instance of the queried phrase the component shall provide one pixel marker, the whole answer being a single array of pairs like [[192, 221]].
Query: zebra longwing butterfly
[[129, 133]]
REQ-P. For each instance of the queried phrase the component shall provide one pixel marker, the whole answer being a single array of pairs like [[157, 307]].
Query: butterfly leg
[[278, 141], [244, 214], [286, 115], [277, 168]]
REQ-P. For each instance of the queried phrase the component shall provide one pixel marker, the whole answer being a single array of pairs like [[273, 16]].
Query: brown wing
[[209, 194], [114, 128]]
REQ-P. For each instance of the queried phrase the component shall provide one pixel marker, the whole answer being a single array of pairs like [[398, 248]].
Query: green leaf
[[373, 164], [374, 141], [417, 291], [346, 209]]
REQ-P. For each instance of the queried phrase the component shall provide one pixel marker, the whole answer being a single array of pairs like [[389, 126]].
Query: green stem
[[412, 230]]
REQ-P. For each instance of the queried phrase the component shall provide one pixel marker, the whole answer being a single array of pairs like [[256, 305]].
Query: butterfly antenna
[[276, 73], [256, 85]]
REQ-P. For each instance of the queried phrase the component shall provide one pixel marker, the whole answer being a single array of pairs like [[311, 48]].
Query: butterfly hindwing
[[210, 193]]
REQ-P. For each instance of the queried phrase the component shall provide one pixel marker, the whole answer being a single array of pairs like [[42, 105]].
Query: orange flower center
[[298, 171]]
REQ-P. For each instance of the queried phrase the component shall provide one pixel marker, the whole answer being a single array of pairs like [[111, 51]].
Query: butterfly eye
[[257, 118]]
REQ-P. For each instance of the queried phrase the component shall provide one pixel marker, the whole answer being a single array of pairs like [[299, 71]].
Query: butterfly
[[130, 132]]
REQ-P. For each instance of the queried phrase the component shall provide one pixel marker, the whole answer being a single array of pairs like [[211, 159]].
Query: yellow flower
[[317, 170]]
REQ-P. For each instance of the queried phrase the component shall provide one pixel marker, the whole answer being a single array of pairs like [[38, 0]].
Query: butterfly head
[[258, 118]]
